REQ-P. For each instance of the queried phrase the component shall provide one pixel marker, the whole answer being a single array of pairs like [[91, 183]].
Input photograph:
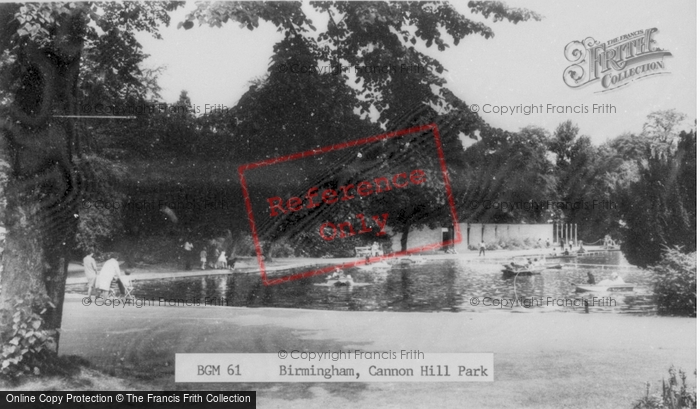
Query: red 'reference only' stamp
[[357, 191]]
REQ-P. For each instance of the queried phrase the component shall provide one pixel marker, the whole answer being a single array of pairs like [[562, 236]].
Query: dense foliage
[[675, 283], [27, 344]]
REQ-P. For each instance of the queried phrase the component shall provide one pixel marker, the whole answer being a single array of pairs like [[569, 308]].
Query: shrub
[[530, 243], [242, 245], [100, 216], [310, 244], [675, 283], [512, 244], [674, 394], [281, 248], [26, 347], [493, 246]]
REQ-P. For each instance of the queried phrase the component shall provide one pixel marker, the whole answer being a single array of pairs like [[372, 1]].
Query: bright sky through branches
[[522, 65]]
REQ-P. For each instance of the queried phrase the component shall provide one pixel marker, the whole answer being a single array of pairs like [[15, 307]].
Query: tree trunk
[[43, 191], [24, 253], [404, 236], [266, 253]]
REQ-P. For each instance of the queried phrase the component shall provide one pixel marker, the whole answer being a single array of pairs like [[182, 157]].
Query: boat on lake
[[605, 288], [341, 282], [523, 267], [411, 260], [379, 265]]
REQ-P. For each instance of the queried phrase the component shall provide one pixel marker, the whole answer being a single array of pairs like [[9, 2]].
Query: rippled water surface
[[437, 285]]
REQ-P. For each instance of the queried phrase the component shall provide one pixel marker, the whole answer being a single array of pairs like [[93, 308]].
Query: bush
[[26, 347], [242, 245], [100, 215], [512, 244], [493, 246], [530, 243], [675, 283], [674, 394], [310, 244], [281, 248]]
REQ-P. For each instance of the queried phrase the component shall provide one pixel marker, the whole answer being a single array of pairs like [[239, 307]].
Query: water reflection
[[437, 285]]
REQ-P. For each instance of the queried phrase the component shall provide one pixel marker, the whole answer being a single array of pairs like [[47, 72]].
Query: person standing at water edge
[[482, 248], [188, 254], [109, 271], [231, 260], [90, 267], [203, 257], [546, 243], [221, 262]]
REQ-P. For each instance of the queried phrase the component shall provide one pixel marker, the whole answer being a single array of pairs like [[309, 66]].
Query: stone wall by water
[[473, 233]]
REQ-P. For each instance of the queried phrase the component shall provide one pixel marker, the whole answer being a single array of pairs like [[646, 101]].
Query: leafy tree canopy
[[372, 34]]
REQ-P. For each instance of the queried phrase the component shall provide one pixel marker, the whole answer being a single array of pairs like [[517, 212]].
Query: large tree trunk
[[33, 263], [24, 253], [43, 191]]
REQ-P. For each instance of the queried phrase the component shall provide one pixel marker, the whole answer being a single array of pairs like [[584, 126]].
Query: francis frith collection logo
[[614, 63]]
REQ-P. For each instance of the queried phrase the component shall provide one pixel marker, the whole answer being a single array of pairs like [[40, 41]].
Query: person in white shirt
[[221, 262], [90, 267], [203, 258], [109, 270], [188, 254]]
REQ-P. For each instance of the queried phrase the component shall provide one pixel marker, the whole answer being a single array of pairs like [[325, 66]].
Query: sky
[[521, 66]]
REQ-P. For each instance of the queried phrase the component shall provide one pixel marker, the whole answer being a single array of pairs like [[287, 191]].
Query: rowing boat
[[604, 288], [523, 266], [341, 283], [509, 271], [374, 266], [411, 260]]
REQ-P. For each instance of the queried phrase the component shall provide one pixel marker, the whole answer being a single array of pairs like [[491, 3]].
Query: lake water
[[437, 285]]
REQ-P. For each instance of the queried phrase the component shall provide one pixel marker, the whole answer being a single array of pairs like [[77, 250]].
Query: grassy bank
[[550, 360]]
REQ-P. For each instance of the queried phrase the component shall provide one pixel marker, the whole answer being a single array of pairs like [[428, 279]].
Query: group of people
[[221, 260], [608, 242], [102, 282], [340, 276], [374, 251]]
